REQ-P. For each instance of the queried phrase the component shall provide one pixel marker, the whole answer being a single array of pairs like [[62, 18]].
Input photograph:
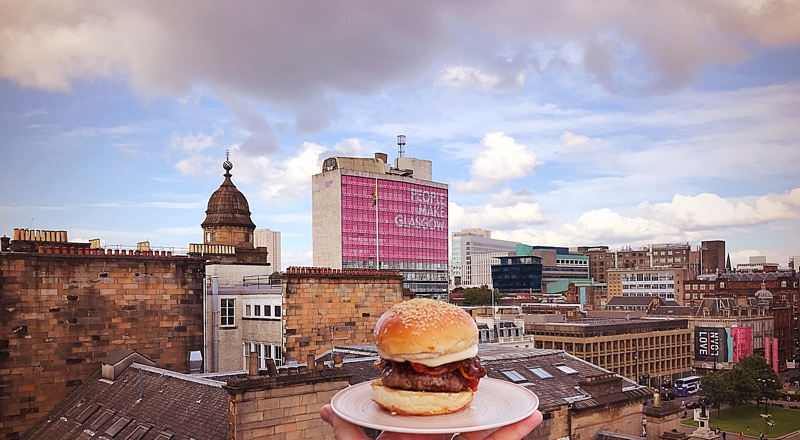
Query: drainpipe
[[205, 325], [215, 323], [569, 420]]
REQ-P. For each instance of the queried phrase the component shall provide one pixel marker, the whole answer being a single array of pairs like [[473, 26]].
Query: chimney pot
[[252, 364]]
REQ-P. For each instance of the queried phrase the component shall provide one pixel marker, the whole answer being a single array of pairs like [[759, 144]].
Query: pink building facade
[[383, 220]]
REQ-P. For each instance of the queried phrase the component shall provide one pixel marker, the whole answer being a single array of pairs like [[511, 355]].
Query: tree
[[743, 386], [754, 379], [478, 296], [717, 388]]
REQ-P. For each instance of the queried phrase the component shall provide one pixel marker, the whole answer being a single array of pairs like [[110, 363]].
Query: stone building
[[576, 398], [130, 398], [228, 230], [724, 313], [323, 306], [65, 306]]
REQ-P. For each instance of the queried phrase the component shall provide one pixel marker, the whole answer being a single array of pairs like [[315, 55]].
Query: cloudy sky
[[568, 123]]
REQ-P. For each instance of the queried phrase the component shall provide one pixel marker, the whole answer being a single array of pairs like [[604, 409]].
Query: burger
[[428, 358]]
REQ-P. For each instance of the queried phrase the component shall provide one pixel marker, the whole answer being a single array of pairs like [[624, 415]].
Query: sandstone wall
[[60, 314], [283, 407], [349, 301]]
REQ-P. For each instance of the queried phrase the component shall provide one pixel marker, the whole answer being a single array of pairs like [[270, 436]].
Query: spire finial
[[227, 165]]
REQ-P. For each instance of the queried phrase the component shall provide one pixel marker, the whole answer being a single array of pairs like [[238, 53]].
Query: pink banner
[[767, 350], [742, 342], [775, 354]]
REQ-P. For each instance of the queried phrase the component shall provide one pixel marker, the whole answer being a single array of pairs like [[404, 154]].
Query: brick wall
[[60, 314], [351, 301], [282, 407]]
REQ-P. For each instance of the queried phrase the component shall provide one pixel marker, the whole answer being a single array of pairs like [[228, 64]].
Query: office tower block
[[370, 215]]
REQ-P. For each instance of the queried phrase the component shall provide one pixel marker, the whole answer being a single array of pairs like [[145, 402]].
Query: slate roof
[[642, 301], [168, 406], [672, 311], [715, 306], [757, 276], [555, 391]]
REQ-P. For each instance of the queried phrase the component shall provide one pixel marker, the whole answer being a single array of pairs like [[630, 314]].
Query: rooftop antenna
[[401, 145]]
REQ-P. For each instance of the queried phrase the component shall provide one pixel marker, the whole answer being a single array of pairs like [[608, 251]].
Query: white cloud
[[506, 210], [501, 160], [571, 140], [351, 147], [710, 210], [289, 179], [463, 77], [194, 145]]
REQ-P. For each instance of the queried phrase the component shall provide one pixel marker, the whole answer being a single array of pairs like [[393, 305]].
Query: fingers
[[342, 429], [514, 431], [519, 429]]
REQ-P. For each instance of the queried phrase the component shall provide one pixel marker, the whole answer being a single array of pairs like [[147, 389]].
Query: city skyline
[[564, 124]]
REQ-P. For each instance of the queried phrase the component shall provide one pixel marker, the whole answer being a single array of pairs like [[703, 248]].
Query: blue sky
[[568, 123]]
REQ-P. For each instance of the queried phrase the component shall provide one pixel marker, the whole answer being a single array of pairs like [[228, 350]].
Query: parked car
[[668, 395]]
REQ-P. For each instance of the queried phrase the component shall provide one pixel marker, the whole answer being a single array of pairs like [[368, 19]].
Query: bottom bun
[[418, 403]]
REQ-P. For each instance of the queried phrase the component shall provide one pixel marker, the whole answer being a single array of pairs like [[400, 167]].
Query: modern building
[[659, 350], [271, 240], [558, 263], [473, 255], [369, 215], [756, 264], [675, 255], [663, 282], [515, 274]]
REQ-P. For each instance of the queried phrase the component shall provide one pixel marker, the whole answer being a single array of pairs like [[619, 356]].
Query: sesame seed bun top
[[426, 331]]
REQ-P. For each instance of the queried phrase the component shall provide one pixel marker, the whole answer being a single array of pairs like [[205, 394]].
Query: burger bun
[[424, 329], [419, 403]]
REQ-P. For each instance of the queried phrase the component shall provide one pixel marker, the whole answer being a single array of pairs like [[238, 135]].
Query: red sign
[[742, 342]]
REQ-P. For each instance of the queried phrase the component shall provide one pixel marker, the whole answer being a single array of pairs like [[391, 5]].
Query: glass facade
[[396, 225], [518, 274]]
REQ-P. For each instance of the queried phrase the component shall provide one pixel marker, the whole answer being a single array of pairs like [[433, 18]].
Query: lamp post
[[765, 387]]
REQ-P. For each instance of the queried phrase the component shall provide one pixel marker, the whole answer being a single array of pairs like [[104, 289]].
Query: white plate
[[497, 403]]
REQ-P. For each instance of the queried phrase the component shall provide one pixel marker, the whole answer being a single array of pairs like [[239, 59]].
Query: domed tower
[[228, 216], [763, 295]]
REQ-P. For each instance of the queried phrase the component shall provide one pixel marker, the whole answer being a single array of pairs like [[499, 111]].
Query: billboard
[[771, 352], [393, 221], [722, 344], [741, 339], [710, 344]]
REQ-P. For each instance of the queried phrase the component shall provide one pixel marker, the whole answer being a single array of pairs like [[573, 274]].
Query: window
[[513, 375], [227, 312], [277, 311], [565, 369], [541, 373], [257, 310], [264, 352]]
